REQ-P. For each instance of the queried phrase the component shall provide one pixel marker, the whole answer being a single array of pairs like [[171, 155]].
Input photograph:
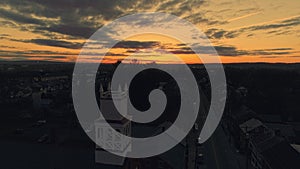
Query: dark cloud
[[72, 30], [270, 57], [182, 52], [233, 51], [285, 23], [222, 50], [131, 51], [276, 49], [230, 51], [78, 18], [102, 54], [167, 5], [278, 32], [136, 44], [19, 18], [62, 8], [59, 57], [9, 47], [56, 43], [7, 24], [200, 18], [115, 54], [182, 7], [271, 28], [34, 52], [71, 14], [46, 52], [220, 33], [4, 35]]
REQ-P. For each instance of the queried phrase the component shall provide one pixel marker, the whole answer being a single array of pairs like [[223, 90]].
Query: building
[[234, 121], [266, 149], [105, 136]]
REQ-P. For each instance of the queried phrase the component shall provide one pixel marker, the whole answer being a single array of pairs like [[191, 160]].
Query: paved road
[[218, 154]]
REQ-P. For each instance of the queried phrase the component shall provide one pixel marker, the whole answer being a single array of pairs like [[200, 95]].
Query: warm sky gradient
[[240, 30]]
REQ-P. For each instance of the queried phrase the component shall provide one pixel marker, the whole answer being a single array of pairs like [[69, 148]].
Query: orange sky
[[241, 30]]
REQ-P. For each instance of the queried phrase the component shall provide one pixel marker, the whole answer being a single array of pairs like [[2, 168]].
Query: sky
[[240, 30]]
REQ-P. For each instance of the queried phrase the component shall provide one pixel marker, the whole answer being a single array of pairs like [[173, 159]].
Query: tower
[[105, 137]]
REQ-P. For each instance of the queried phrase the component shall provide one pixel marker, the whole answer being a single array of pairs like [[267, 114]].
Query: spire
[[125, 87], [119, 89]]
